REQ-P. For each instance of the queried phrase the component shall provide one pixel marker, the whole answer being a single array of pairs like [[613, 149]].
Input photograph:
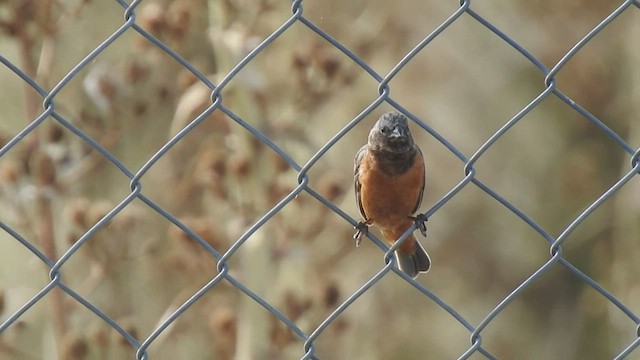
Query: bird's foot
[[421, 223], [361, 230]]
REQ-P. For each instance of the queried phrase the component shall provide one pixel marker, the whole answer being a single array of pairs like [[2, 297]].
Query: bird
[[389, 186]]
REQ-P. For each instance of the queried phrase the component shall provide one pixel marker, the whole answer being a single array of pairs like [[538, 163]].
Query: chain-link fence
[[232, 238]]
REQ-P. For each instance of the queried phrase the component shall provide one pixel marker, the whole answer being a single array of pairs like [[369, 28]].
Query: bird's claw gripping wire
[[421, 223], [362, 228]]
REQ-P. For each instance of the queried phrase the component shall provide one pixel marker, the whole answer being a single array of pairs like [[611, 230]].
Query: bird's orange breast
[[388, 200]]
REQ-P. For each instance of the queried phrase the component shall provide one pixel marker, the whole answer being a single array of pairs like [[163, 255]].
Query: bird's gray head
[[391, 134]]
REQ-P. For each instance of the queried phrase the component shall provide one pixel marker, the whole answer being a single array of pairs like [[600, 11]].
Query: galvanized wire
[[308, 351]]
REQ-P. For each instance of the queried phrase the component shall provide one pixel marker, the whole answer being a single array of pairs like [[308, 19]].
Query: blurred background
[[300, 91]]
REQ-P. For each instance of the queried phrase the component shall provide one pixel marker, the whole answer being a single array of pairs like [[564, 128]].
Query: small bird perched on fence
[[389, 184]]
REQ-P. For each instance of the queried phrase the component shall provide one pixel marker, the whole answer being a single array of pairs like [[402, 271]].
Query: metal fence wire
[[35, 230]]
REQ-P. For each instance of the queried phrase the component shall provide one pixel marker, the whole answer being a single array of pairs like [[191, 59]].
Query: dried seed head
[[239, 165], [329, 66], [223, 321], [76, 213], [223, 324], [179, 18], [152, 17], [330, 295], [211, 167], [128, 325], [97, 211], [295, 305], [99, 336], [281, 336], [203, 226], [299, 62], [74, 347], [136, 71], [330, 187], [10, 172], [43, 169], [185, 80], [280, 187], [54, 133], [280, 164]]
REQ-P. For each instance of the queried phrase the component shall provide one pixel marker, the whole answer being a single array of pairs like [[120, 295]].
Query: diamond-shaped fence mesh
[[176, 179]]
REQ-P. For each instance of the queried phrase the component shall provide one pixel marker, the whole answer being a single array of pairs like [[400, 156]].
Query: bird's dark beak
[[397, 133]]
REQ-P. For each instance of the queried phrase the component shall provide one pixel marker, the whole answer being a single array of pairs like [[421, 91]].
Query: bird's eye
[[383, 130]]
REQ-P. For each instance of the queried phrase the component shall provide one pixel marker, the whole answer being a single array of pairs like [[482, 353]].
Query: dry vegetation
[[219, 179]]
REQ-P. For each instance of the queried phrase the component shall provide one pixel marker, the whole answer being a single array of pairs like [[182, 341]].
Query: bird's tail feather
[[414, 263]]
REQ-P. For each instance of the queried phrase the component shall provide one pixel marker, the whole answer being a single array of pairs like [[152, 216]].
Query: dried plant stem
[[253, 338], [44, 213], [47, 240], [253, 320], [29, 67]]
